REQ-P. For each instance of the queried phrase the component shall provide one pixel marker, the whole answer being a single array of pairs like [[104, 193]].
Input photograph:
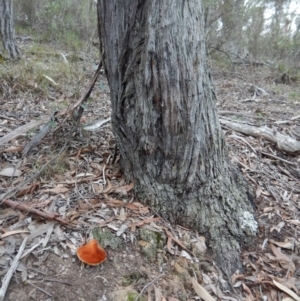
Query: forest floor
[[70, 176]]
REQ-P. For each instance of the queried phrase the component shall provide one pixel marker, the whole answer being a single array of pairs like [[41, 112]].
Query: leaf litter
[[82, 190]]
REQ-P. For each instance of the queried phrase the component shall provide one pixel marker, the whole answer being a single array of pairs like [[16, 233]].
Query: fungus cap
[[91, 253]]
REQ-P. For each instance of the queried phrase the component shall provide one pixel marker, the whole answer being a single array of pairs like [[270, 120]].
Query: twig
[[11, 270], [87, 94], [280, 159], [35, 270], [39, 288], [31, 249], [58, 281], [241, 138], [23, 207], [22, 129], [81, 101], [148, 284], [40, 135]]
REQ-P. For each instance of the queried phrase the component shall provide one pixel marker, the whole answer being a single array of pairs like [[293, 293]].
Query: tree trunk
[[7, 29], [165, 121], [232, 24]]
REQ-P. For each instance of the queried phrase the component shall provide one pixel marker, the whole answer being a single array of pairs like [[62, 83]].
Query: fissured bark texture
[[165, 120], [7, 29]]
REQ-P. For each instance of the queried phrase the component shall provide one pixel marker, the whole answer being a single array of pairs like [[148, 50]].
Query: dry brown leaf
[[201, 291], [169, 245], [125, 188], [8, 233], [175, 239], [12, 149], [82, 205], [157, 293], [144, 222], [172, 299], [56, 190], [85, 175], [248, 292], [284, 244], [273, 294], [143, 243], [286, 290], [289, 283], [258, 191], [236, 276], [285, 261], [72, 215], [180, 270], [108, 188], [149, 294], [294, 222], [29, 190], [137, 207], [122, 216], [268, 209], [278, 227]]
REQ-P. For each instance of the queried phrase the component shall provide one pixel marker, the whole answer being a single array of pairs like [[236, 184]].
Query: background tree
[[7, 29], [165, 120]]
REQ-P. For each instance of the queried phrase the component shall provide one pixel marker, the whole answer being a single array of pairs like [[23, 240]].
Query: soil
[[67, 279]]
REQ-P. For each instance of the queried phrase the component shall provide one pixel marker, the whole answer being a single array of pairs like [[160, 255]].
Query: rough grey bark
[[165, 121], [232, 24], [7, 29]]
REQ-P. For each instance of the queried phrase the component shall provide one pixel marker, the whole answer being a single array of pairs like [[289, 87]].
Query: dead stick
[[11, 271], [280, 159], [148, 284], [82, 100], [26, 208]]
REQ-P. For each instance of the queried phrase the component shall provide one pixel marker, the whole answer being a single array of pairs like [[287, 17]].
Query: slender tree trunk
[[232, 23], [7, 29], [165, 121]]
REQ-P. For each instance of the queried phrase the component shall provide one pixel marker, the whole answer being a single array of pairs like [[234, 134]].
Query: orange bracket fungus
[[91, 253]]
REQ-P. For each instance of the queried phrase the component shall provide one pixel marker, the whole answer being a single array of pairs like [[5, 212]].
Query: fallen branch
[[11, 270], [284, 143], [21, 130], [23, 207], [39, 136]]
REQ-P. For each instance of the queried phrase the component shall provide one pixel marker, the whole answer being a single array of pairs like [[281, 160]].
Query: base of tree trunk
[[221, 210]]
